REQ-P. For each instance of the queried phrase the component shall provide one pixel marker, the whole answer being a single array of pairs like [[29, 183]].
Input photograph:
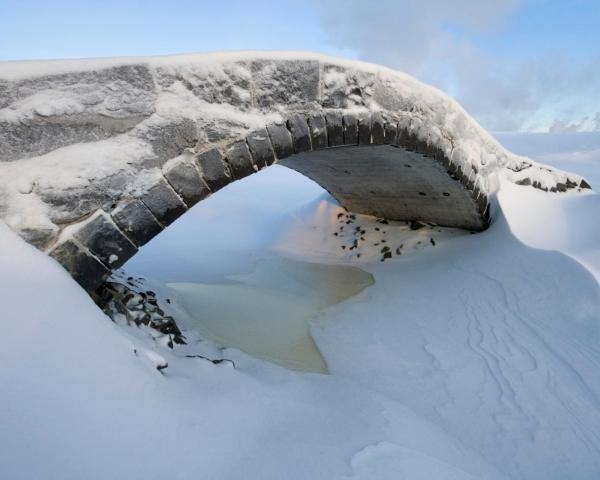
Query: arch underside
[[390, 182]]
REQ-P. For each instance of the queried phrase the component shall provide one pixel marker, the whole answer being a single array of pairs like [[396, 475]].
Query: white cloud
[[424, 38]]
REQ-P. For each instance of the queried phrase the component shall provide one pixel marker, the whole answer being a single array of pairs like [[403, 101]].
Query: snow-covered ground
[[473, 358]]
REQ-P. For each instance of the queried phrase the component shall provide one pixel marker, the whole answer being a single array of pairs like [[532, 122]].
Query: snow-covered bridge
[[98, 156]]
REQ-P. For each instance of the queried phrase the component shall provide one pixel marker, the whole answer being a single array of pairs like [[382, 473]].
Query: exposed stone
[[71, 204], [260, 148], [364, 130], [318, 131], [300, 133], [335, 129], [83, 267], [377, 129], [350, 129], [240, 160], [112, 101], [289, 82], [214, 169], [163, 202], [390, 131], [170, 139], [584, 184], [230, 85], [281, 139], [185, 179], [117, 298], [104, 239], [134, 218]]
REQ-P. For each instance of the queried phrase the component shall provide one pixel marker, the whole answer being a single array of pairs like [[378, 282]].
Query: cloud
[[433, 40]]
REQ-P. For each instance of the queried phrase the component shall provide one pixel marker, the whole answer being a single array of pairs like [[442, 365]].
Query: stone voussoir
[[163, 202], [86, 269], [133, 217], [104, 239], [298, 127], [214, 169], [240, 160], [377, 129], [350, 129], [260, 148], [185, 179], [364, 130], [281, 139], [318, 131], [335, 129]]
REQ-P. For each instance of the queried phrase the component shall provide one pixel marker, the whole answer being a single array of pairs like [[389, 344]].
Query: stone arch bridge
[[98, 156]]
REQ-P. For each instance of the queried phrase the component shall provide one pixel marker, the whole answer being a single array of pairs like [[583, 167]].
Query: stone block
[[281, 139], [186, 181], [163, 202], [285, 83], [377, 129], [104, 239], [240, 160], [260, 148], [335, 129], [364, 130], [318, 131], [298, 127], [87, 270], [350, 129], [138, 223], [213, 168], [390, 131]]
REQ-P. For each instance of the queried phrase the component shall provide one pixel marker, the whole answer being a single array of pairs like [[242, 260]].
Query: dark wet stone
[[138, 223], [163, 202], [104, 239], [186, 181], [261, 148], [83, 267], [213, 169]]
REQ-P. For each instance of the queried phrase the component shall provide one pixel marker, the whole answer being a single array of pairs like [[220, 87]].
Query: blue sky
[[513, 64]]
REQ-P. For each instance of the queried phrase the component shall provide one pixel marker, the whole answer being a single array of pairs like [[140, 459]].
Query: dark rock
[[377, 129], [138, 223], [416, 225], [298, 127], [350, 129], [335, 129], [260, 148], [87, 270], [104, 239], [389, 135], [213, 169], [364, 130], [186, 181], [318, 132], [163, 202], [584, 184], [281, 139], [240, 160]]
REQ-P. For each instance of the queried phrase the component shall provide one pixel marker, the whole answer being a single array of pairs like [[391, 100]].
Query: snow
[[473, 358]]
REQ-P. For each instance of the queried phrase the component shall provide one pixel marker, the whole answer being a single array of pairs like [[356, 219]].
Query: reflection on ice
[[267, 312]]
